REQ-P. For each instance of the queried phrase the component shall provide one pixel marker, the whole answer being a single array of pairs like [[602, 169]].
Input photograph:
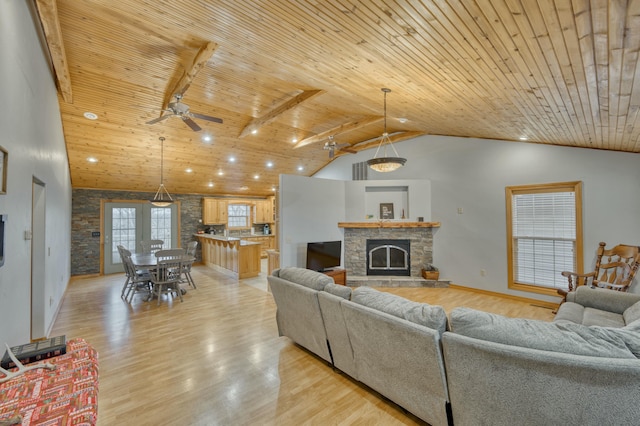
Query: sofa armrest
[[603, 299]]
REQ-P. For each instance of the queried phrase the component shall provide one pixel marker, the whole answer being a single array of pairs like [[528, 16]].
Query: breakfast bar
[[229, 254]]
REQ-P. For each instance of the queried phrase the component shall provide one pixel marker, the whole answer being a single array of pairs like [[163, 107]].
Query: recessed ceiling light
[[210, 184], [232, 159], [188, 170], [273, 188], [92, 159], [244, 188], [256, 177], [269, 164], [523, 138], [90, 116], [206, 138], [402, 120], [300, 168], [294, 140], [254, 131], [220, 173]]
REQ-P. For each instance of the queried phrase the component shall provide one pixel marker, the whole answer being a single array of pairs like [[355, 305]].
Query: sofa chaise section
[[504, 371]]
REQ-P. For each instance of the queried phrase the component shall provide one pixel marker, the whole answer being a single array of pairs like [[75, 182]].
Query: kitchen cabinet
[[267, 242], [214, 211], [263, 211]]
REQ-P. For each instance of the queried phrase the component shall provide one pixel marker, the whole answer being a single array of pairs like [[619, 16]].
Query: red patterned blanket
[[67, 395]]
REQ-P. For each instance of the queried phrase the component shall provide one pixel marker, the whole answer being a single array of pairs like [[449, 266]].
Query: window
[[238, 215], [161, 225], [544, 235]]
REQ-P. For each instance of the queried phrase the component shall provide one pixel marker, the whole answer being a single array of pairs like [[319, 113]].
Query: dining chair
[[176, 253], [191, 248], [137, 280], [151, 246], [166, 278]]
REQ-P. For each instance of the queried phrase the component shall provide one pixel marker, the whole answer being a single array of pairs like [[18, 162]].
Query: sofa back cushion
[[430, 316], [306, 277], [563, 336], [338, 290]]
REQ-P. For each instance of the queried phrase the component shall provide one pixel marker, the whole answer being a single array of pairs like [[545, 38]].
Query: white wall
[[309, 211], [31, 131], [414, 199], [472, 174]]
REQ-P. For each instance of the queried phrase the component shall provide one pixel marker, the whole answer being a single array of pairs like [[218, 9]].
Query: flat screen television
[[324, 255]]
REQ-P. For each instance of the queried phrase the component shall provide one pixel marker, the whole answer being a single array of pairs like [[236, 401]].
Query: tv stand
[[339, 275]]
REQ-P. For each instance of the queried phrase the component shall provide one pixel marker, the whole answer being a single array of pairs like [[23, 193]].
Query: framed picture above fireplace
[[386, 210]]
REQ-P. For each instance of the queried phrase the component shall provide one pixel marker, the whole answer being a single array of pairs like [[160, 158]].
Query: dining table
[[149, 261]]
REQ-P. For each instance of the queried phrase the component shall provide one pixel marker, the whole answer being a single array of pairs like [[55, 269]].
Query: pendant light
[[385, 163], [162, 197]]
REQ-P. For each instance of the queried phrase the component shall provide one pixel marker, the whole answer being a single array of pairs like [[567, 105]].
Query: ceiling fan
[[181, 110], [331, 146]]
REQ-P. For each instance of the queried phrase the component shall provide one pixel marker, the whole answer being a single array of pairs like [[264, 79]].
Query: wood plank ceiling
[[555, 72]]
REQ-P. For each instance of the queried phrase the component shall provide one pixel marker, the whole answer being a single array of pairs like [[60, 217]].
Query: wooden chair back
[[616, 267], [151, 246]]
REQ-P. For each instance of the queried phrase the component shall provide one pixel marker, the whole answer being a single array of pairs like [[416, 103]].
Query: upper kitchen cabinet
[[214, 211], [263, 211]]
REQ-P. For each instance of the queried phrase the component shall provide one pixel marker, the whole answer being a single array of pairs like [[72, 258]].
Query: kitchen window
[[238, 215], [544, 235]]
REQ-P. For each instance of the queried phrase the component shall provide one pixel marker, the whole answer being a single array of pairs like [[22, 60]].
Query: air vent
[[359, 171]]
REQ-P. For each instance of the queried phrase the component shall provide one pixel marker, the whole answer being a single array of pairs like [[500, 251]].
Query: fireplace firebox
[[389, 257]]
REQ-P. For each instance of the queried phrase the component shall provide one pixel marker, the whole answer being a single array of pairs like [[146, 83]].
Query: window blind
[[544, 237]]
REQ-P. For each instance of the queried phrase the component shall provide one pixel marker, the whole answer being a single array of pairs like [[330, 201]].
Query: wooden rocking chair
[[615, 269]]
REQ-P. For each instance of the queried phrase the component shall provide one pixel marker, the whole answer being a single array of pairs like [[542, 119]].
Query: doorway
[[38, 259], [128, 223]]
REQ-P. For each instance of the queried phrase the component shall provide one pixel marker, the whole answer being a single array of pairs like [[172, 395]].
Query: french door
[[129, 223]]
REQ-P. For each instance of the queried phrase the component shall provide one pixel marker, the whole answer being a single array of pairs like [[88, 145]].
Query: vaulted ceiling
[[297, 72]]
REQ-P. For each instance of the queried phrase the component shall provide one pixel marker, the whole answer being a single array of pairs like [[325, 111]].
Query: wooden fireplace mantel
[[386, 224]]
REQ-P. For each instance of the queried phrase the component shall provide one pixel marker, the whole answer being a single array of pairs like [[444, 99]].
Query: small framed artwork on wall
[[386, 210], [4, 157]]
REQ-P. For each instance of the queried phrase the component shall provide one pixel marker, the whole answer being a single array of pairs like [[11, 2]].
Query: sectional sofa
[[474, 368]]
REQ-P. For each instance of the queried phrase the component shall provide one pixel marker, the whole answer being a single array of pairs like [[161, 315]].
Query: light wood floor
[[216, 358]]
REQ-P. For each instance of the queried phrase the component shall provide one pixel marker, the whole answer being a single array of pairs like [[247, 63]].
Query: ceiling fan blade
[[191, 124], [156, 120], [207, 117]]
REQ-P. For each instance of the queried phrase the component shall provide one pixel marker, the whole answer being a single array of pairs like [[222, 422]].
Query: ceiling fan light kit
[[162, 197], [386, 163]]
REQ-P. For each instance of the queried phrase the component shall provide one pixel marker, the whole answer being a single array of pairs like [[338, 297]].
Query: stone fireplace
[[419, 236]]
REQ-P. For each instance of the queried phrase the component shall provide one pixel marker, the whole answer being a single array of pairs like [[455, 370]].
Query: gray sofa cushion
[[632, 313], [561, 336], [578, 314], [338, 290], [306, 277], [430, 316]]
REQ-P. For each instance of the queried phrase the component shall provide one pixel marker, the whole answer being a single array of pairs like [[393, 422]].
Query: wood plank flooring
[[216, 358]]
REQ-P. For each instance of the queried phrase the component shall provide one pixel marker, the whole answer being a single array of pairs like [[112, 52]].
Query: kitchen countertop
[[223, 238]]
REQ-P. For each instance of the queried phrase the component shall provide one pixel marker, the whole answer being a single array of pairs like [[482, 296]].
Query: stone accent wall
[[355, 261], [85, 219]]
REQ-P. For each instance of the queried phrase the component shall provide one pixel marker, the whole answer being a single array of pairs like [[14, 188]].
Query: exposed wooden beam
[[397, 137], [352, 125], [48, 11], [256, 123], [201, 58]]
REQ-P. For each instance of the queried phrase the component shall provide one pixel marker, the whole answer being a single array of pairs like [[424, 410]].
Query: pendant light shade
[[386, 163], [162, 197]]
